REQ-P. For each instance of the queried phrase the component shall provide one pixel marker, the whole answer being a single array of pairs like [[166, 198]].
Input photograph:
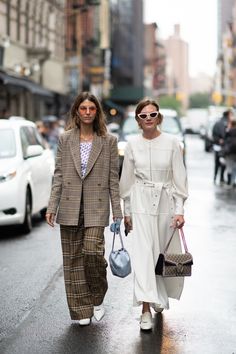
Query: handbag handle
[[182, 237], [113, 242]]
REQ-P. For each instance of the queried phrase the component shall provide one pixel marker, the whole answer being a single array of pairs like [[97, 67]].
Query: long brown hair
[[146, 102], [99, 124]]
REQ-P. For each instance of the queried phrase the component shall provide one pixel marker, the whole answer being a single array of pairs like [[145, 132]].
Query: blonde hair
[[99, 124]]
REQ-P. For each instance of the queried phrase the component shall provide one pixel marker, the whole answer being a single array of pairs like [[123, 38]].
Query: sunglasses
[[84, 109], [151, 115]]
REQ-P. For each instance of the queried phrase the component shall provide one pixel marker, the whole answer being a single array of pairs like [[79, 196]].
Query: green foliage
[[170, 102], [199, 100]]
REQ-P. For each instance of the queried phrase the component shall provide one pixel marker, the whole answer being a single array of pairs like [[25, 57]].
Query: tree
[[170, 102], [199, 100]]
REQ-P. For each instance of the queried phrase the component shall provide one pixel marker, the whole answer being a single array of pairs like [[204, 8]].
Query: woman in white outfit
[[153, 186]]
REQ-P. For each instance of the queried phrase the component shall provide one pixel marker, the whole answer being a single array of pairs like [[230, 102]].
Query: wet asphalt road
[[33, 313]]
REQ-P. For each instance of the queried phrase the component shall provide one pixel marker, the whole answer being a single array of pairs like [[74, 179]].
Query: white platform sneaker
[[146, 321], [84, 321]]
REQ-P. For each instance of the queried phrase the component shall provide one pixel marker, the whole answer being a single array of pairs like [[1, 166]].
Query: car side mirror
[[33, 150]]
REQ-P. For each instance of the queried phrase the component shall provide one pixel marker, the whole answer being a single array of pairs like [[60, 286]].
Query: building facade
[[224, 14], [88, 46], [32, 57], [127, 42], [155, 62], [177, 67], [225, 78]]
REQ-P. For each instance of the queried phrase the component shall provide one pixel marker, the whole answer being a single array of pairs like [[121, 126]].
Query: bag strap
[[168, 244], [182, 237], [113, 242]]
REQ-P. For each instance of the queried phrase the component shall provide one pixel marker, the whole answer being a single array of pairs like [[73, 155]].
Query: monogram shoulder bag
[[175, 264]]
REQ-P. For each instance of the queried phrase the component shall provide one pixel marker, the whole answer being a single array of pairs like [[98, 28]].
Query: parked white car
[[26, 171]]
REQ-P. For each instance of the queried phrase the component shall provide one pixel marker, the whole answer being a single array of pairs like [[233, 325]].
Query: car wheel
[[207, 146], [27, 224]]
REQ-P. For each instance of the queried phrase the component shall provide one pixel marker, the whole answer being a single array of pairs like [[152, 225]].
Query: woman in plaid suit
[[85, 181]]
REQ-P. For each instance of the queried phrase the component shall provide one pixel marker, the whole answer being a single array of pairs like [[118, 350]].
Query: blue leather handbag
[[119, 260]]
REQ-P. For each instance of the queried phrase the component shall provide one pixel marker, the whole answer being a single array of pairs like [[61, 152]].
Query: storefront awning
[[34, 88]]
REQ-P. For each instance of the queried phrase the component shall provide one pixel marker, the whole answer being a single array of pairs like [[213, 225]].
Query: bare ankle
[[146, 307]]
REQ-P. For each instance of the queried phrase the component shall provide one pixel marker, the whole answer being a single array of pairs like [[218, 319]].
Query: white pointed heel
[[99, 312]]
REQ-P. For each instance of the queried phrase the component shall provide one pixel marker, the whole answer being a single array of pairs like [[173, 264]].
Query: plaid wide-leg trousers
[[84, 268]]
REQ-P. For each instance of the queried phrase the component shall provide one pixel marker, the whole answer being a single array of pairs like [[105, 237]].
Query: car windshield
[[7, 143], [130, 126], [169, 125]]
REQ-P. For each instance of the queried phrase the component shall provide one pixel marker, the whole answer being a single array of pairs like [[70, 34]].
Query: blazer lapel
[[75, 150], [94, 153]]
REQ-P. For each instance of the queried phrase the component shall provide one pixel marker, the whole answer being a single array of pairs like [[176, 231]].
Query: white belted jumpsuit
[[153, 186]]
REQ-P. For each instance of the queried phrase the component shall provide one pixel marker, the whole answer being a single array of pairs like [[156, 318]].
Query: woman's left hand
[[178, 221], [115, 226]]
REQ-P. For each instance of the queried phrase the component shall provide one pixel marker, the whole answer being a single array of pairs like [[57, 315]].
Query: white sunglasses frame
[[148, 115]]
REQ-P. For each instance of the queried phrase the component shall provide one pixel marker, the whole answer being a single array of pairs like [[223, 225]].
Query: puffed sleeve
[[180, 183], [127, 179], [114, 179]]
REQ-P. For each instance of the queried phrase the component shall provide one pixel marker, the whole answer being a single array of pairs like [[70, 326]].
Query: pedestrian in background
[[153, 186], [229, 151], [85, 181], [218, 134], [52, 132]]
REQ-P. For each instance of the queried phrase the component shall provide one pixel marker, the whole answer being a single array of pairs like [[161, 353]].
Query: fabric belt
[[152, 184], [157, 189]]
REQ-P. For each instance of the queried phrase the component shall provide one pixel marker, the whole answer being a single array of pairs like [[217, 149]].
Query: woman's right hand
[[50, 218], [128, 223]]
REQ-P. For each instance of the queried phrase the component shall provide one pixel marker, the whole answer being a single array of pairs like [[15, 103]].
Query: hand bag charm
[[119, 260], [172, 264]]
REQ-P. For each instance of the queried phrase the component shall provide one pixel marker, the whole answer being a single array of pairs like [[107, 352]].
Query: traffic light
[[216, 97], [180, 96]]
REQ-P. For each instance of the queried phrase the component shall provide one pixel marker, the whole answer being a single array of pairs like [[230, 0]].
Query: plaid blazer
[[100, 183]]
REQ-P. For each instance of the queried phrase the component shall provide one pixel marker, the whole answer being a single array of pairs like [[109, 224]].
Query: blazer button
[[100, 199], [99, 184], [67, 198]]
